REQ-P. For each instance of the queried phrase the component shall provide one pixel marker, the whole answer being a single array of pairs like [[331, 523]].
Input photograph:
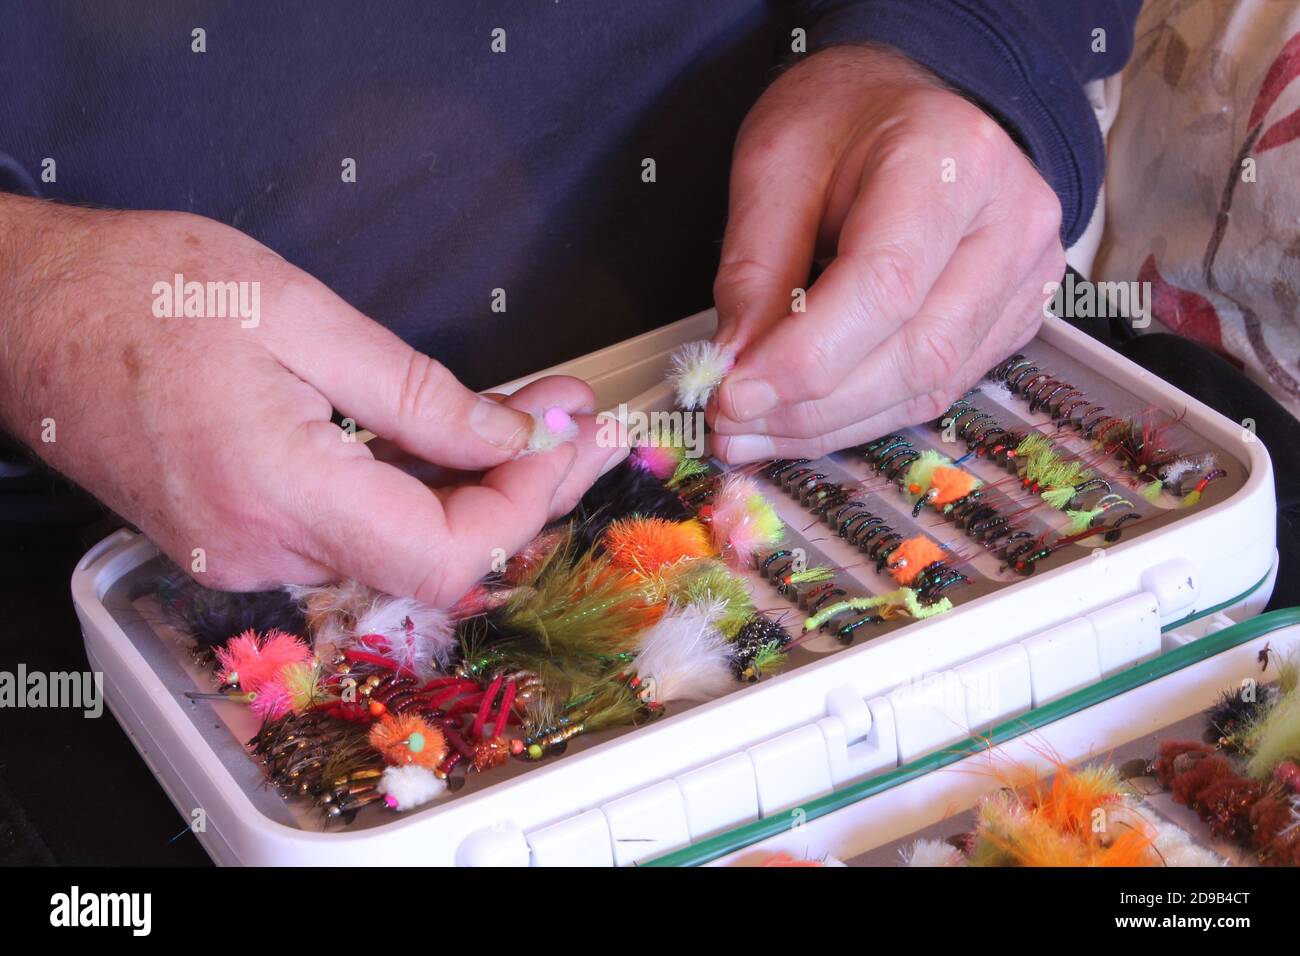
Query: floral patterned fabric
[[1202, 198]]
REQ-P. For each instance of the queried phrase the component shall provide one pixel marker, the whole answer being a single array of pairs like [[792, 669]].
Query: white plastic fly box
[[1068, 600]]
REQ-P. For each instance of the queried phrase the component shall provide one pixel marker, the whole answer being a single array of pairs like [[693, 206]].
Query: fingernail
[[615, 459], [751, 397], [744, 448], [499, 424]]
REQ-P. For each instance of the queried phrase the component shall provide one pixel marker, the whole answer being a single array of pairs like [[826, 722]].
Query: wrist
[[39, 253], [874, 65]]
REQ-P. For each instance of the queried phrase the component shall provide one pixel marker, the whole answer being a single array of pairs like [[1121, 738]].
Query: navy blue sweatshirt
[[479, 170]]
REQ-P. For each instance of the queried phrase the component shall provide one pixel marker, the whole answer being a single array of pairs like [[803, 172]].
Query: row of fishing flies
[[841, 506]]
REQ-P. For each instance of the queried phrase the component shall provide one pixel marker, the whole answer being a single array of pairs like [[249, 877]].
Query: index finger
[[775, 204], [386, 529], [894, 244]]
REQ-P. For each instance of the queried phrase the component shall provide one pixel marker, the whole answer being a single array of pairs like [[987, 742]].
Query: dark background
[[72, 790]]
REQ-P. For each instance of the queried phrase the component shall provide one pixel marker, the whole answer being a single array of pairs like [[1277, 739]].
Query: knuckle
[[1043, 212], [736, 281], [758, 140], [897, 135], [1026, 330], [809, 420], [423, 394], [986, 141], [811, 367], [930, 405], [932, 359], [887, 274], [765, 141], [816, 447], [438, 585]]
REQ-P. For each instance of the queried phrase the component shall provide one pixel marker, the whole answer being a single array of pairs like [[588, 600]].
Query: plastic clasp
[[860, 735]]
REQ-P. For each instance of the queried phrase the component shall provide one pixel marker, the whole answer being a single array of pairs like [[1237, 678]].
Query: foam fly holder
[[838, 717]]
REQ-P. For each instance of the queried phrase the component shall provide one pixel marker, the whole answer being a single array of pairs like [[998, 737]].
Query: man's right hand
[[214, 433]]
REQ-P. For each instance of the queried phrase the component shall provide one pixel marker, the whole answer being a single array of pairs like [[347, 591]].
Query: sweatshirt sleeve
[[15, 179], [1024, 61]]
